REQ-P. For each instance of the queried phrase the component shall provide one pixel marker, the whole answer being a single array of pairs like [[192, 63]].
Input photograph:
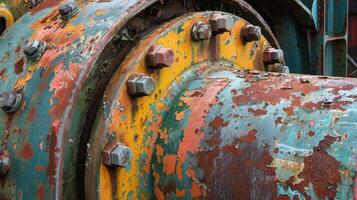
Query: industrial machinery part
[[146, 99]]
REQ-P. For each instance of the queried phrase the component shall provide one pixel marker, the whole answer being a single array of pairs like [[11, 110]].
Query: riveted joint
[[34, 49], [116, 155], [273, 56], [201, 31], [221, 23], [10, 102], [140, 85], [68, 10], [5, 164], [250, 33], [159, 57]]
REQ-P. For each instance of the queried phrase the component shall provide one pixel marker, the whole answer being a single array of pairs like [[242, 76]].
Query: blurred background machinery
[[178, 99]]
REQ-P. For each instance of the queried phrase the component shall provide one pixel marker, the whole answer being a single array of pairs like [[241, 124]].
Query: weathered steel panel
[[42, 137]]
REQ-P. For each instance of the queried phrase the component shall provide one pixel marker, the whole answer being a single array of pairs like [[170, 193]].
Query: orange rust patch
[[180, 115], [289, 111], [2, 74], [51, 168], [257, 112], [272, 92], [19, 66], [32, 115], [159, 194], [199, 103], [180, 193], [196, 190], [27, 152], [169, 164], [321, 170], [218, 122], [250, 137], [311, 133], [40, 168], [40, 192]]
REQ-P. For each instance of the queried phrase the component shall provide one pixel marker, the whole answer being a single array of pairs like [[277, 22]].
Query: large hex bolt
[[201, 31], [159, 57], [68, 10], [140, 85], [10, 101], [272, 56], [5, 164], [106, 157], [250, 33], [121, 156], [116, 155], [34, 49], [221, 23]]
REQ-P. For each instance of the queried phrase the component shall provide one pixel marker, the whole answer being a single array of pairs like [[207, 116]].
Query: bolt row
[[159, 57], [10, 101]]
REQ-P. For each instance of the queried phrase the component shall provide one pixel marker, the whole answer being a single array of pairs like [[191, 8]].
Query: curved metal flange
[[126, 120]]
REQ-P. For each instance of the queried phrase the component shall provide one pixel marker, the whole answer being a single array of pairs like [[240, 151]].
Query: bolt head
[[201, 31], [5, 164], [106, 157], [221, 23], [159, 57], [272, 56], [10, 101], [34, 49], [251, 33], [140, 85], [121, 156], [68, 10]]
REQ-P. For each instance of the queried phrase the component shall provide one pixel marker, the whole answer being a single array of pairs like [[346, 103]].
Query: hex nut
[[221, 23], [159, 57], [68, 10], [121, 156], [250, 33], [10, 102], [140, 85], [106, 157], [34, 49], [272, 56], [5, 163], [201, 31]]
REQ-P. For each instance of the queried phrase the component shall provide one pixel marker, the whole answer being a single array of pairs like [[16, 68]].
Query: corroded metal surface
[[209, 131], [45, 139], [123, 117], [42, 138], [257, 136], [230, 133]]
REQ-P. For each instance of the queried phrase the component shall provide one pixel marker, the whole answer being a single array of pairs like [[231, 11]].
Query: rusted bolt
[[250, 33], [5, 164], [140, 85], [201, 31], [159, 57], [221, 23], [121, 156], [272, 56], [106, 157], [34, 49], [116, 155], [68, 10], [10, 101]]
